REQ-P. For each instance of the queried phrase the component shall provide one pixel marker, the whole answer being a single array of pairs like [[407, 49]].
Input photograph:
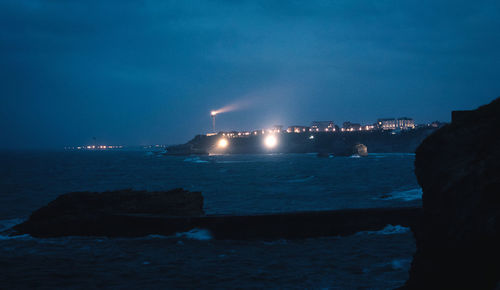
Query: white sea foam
[[406, 195], [196, 234], [195, 160], [388, 230]]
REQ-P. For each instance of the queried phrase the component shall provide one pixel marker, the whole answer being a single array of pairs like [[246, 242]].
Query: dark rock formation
[[92, 213], [295, 225], [128, 213], [458, 239], [361, 150]]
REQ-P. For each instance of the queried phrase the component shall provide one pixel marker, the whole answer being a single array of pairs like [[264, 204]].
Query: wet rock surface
[[458, 237]]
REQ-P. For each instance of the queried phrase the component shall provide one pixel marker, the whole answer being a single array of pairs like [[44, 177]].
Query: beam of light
[[238, 105], [271, 141], [222, 143]]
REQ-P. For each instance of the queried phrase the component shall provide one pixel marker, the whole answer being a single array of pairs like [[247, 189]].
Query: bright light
[[213, 113], [270, 141], [311, 137], [222, 143]]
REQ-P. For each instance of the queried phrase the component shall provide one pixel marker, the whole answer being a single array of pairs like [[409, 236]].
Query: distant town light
[[270, 141], [311, 137], [222, 143]]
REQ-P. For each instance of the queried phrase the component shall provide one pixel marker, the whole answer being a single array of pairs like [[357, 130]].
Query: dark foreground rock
[[458, 239], [92, 213]]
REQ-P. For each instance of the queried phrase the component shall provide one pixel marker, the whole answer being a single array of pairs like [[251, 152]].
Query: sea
[[230, 184]]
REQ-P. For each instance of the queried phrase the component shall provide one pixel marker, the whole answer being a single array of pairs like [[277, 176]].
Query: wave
[[154, 236], [196, 234], [305, 179], [399, 264], [19, 237], [407, 195], [195, 160], [393, 154], [388, 230], [7, 224], [234, 161]]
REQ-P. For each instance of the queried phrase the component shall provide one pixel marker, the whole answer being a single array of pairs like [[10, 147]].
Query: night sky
[[148, 72]]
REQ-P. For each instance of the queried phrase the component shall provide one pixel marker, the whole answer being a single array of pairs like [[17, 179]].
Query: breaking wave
[[407, 195], [196, 234], [195, 160], [7, 224], [388, 230], [19, 237]]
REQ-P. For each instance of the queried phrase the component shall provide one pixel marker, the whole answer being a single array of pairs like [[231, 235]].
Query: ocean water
[[238, 184]]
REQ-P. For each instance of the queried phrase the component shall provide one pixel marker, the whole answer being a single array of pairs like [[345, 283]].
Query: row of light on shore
[[270, 142], [95, 147]]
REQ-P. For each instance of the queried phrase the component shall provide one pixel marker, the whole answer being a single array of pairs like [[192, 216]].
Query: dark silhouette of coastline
[[336, 143]]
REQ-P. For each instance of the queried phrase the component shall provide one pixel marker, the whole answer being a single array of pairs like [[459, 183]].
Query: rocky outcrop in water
[[458, 238], [92, 213], [360, 150], [129, 213]]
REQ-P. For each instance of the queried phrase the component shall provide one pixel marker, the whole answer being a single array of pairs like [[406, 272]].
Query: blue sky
[[147, 72]]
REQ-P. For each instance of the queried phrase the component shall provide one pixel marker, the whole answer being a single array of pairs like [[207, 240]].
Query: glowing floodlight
[[270, 141], [222, 143]]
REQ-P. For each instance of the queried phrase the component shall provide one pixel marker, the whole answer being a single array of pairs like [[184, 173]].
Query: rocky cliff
[[458, 237]]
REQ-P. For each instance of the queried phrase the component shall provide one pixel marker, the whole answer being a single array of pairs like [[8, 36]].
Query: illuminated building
[[322, 126], [392, 124], [297, 129], [406, 123], [276, 128], [348, 126], [386, 124]]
